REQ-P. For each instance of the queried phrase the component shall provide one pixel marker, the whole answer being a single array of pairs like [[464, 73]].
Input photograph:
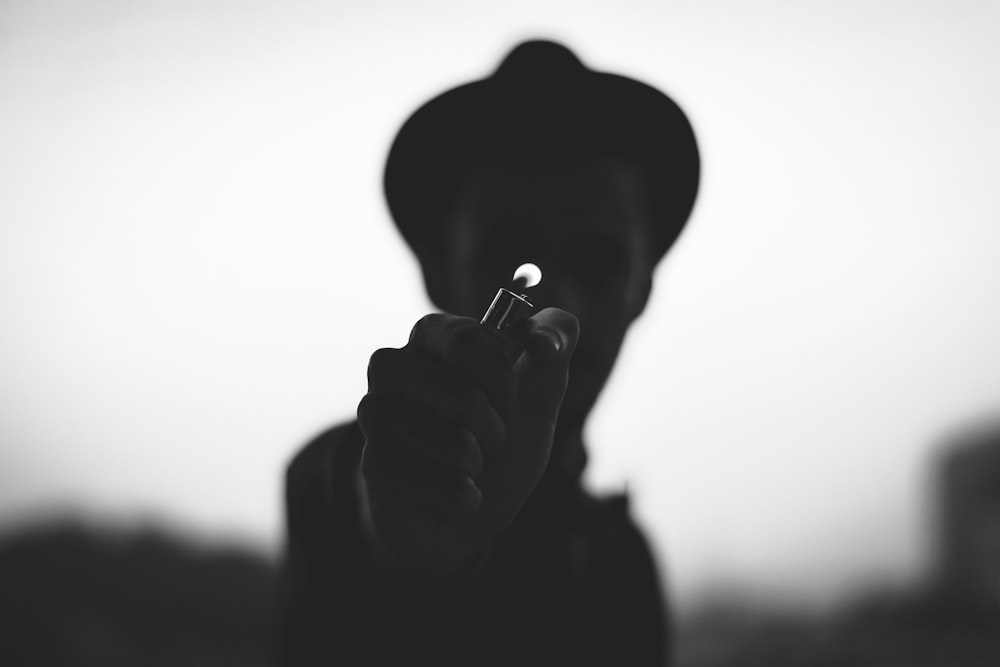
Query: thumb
[[542, 370]]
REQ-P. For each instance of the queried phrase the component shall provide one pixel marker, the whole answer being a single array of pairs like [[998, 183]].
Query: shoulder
[[616, 526], [639, 593], [323, 445], [611, 510], [318, 466]]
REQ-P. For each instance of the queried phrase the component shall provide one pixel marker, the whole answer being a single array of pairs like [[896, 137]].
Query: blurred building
[[968, 567]]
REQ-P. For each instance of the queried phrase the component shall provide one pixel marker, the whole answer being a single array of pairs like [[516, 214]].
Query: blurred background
[[193, 245]]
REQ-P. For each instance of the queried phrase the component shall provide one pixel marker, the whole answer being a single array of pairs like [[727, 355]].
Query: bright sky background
[[193, 246]]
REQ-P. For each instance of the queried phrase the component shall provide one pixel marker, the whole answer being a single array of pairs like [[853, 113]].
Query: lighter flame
[[527, 275]]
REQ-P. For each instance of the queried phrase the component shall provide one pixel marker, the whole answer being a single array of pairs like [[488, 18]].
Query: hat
[[540, 104]]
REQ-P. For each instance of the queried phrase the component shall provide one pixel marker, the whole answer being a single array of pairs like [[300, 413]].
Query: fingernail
[[553, 337]]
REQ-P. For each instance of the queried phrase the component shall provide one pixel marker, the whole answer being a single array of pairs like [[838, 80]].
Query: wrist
[[464, 569], [380, 555]]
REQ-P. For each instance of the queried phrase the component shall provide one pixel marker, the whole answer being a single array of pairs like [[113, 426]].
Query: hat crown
[[537, 96], [538, 57], [541, 104]]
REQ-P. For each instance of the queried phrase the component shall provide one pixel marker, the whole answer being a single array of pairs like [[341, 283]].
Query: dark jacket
[[571, 582]]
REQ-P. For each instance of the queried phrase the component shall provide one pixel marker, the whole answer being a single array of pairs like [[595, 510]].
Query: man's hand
[[458, 428]]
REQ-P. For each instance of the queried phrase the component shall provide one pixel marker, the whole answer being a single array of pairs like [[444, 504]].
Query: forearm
[[338, 603]]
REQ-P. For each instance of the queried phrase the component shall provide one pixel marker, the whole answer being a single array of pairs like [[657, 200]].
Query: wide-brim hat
[[540, 104]]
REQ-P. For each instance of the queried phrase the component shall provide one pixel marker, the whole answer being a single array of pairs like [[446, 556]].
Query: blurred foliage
[[73, 595], [76, 595], [927, 628]]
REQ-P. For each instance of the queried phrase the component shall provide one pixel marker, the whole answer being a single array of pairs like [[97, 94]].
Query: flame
[[527, 275]]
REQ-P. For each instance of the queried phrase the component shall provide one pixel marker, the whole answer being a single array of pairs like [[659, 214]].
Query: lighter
[[508, 309]]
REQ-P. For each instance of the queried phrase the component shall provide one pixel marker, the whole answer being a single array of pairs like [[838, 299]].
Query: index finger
[[463, 343]]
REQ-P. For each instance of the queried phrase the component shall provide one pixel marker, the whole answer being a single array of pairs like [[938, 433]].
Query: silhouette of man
[[448, 525]]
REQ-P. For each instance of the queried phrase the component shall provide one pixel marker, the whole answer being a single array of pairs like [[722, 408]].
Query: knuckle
[[477, 407], [384, 367], [467, 333], [365, 409], [472, 346], [465, 406], [380, 360], [369, 464], [486, 409], [374, 412], [470, 454], [427, 323], [505, 392], [445, 329]]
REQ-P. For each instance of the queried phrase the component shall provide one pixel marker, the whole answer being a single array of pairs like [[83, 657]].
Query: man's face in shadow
[[586, 225]]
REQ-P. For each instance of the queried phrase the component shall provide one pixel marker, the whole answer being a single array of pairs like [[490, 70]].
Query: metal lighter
[[509, 309]]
